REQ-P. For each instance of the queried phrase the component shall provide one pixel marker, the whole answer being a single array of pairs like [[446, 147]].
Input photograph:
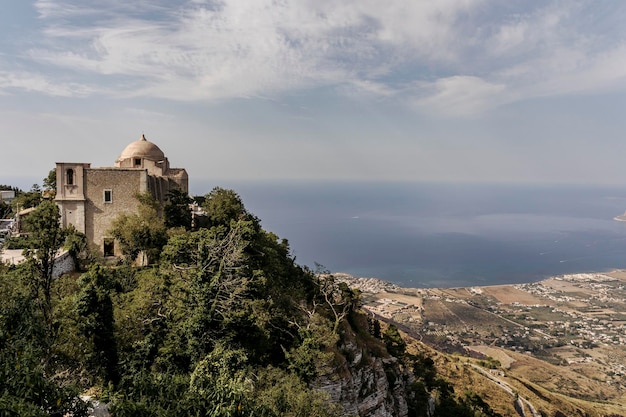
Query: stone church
[[91, 198]]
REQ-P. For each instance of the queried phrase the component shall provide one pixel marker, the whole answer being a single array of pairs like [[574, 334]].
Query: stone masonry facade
[[90, 199]]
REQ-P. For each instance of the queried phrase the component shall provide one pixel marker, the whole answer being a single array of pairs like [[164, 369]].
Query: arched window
[[70, 176]]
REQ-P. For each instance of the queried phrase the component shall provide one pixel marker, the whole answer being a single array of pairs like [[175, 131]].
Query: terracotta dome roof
[[142, 148]]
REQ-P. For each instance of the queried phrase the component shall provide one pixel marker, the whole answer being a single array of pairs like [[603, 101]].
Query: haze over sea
[[444, 235]]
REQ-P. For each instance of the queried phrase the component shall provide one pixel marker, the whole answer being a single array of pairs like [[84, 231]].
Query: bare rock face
[[96, 408], [366, 386]]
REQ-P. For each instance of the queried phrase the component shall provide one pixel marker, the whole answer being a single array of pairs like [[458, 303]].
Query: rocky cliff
[[365, 379]]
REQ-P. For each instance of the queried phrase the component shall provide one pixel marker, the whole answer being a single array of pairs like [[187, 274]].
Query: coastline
[[374, 285]]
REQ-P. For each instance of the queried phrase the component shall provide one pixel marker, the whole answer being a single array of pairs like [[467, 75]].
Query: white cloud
[[254, 47], [464, 55], [33, 82], [572, 74], [460, 96]]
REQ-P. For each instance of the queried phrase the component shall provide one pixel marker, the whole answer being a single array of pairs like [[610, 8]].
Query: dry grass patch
[[563, 380], [498, 354], [507, 294], [568, 287]]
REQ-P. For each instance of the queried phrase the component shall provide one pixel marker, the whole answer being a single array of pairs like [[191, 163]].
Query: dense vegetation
[[222, 322]]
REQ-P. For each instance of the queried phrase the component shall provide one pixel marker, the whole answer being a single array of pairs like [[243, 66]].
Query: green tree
[[95, 307], [46, 237], [284, 394], [337, 298], [148, 319], [214, 264], [223, 206], [50, 182], [142, 233], [220, 384], [27, 387], [310, 357], [77, 246], [393, 341], [24, 200], [176, 210], [424, 369]]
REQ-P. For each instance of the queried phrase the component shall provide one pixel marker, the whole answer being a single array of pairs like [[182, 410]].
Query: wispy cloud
[[33, 82], [464, 56], [460, 96]]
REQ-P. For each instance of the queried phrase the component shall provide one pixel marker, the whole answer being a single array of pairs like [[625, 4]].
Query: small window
[[108, 196], [109, 246], [137, 162], [70, 176]]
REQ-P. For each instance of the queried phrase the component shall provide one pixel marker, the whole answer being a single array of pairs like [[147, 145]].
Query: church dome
[[142, 148]]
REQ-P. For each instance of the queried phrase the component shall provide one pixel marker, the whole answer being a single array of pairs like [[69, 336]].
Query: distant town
[[574, 322]]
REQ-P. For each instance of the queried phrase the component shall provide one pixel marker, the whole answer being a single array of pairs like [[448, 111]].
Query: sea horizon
[[426, 235]]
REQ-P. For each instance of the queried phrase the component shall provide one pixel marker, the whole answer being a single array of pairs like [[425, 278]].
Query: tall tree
[[50, 182], [176, 211], [94, 306], [223, 206], [47, 237]]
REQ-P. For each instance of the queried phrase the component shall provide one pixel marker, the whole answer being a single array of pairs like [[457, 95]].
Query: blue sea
[[444, 235]]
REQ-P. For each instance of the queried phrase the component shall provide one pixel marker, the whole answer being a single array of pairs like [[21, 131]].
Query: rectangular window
[[137, 162], [109, 246], [108, 196]]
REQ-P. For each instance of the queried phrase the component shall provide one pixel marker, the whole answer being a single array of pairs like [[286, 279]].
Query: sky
[[450, 90]]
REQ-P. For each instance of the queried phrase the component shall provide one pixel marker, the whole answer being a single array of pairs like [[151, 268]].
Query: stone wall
[[124, 184], [62, 265]]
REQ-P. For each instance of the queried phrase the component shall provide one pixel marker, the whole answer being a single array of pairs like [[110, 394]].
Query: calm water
[[426, 235]]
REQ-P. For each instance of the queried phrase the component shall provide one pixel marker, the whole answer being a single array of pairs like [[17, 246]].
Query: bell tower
[[70, 195]]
